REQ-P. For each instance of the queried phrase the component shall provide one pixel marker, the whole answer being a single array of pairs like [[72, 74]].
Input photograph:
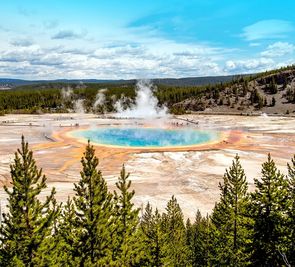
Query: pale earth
[[191, 174]]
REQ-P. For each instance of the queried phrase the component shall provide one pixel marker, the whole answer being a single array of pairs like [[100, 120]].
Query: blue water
[[146, 137]]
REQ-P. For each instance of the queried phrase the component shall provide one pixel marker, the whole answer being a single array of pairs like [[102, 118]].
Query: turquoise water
[[146, 137]]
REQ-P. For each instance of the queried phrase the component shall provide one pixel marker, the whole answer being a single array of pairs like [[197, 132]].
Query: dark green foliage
[[260, 103], [47, 97], [63, 239], [96, 228], [125, 252], [229, 218], [255, 97], [26, 100], [291, 213], [150, 226], [269, 206], [199, 240], [290, 95], [28, 222], [175, 249], [272, 88], [92, 224]]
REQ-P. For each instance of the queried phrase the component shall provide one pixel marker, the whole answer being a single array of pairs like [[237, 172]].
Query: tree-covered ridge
[[271, 92], [102, 228]]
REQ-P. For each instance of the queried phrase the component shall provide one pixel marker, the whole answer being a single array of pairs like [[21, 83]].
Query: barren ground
[[191, 174]]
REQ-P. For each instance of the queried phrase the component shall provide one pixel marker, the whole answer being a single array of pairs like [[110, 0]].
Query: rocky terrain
[[271, 92]]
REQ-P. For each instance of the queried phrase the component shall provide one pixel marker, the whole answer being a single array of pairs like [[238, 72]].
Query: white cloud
[[278, 49], [109, 59], [114, 62], [267, 29], [249, 65]]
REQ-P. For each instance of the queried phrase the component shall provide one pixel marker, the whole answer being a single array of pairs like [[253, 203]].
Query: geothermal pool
[[146, 137], [191, 173]]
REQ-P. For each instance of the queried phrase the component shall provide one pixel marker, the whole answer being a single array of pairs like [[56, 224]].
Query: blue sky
[[144, 39]]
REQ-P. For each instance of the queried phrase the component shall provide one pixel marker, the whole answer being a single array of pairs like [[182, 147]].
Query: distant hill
[[197, 81], [191, 81], [271, 92], [6, 82]]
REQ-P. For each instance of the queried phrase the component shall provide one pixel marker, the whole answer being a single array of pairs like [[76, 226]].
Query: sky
[[133, 39]]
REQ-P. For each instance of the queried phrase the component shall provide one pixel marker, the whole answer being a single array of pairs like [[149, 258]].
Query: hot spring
[[146, 137]]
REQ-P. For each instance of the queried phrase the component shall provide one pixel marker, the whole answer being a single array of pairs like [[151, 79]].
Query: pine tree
[[28, 222], [47, 252], [230, 220], [175, 250], [93, 222], [291, 224], [61, 244], [198, 240], [269, 211], [150, 226], [254, 97], [273, 88], [126, 251], [260, 103]]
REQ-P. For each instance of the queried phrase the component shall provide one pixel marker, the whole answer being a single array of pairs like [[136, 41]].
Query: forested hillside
[[271, 92], [101, 228], [191, 81]]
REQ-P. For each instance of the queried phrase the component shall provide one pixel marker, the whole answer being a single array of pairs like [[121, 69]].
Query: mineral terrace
[[191, 174]]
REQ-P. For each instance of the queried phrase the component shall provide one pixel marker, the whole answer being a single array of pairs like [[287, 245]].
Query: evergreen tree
[[150, 226], [269, 211], [255, 96], [175, 248], [64, 238], [230, 220], [198, 240], [28, 222], [291, 224], [92, 225], [260, 103], [49, 250], [273, 88], [126, 251]]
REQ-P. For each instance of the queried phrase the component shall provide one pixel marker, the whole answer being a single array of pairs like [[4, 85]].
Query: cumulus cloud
[[249, 65], [125, 61], [267, 29], [278, 49], [121, 61]]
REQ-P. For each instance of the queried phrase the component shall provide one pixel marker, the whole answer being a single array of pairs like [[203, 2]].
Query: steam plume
[[146, 104]]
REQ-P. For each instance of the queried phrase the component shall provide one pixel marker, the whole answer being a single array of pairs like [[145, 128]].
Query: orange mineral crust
[[191, 173]]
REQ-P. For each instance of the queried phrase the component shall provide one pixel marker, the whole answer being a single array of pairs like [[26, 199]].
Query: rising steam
[[146, 104], [67, 95], [100, 100]]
